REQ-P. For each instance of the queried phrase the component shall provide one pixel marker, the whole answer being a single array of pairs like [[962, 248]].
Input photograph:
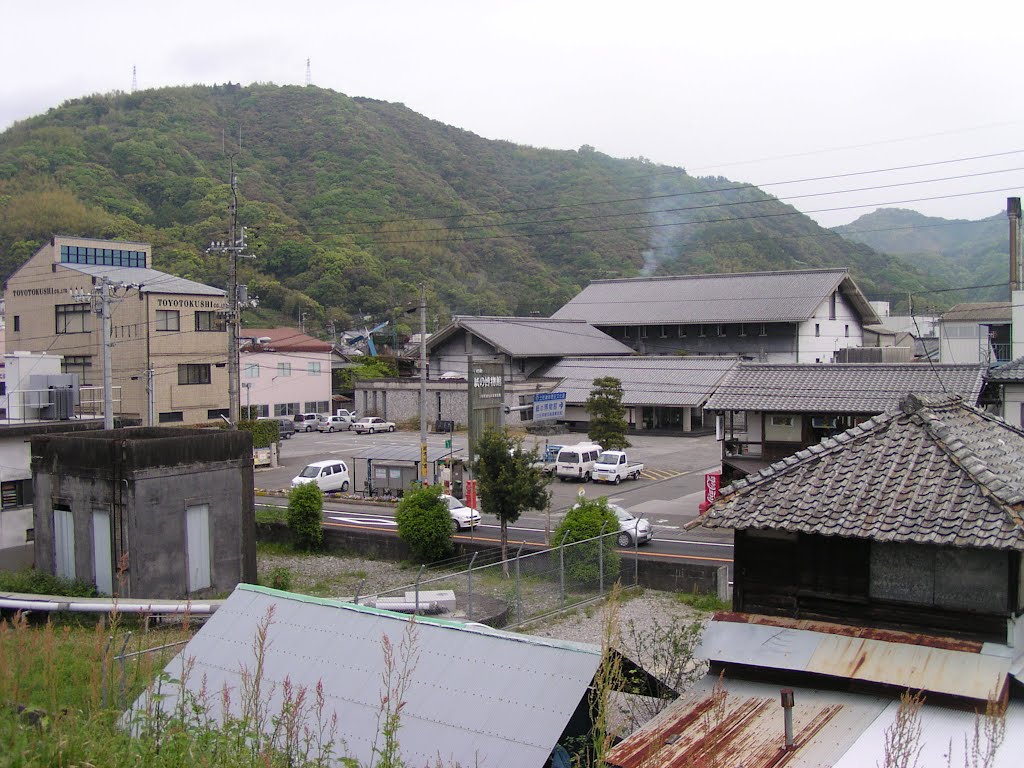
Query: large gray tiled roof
[[649, 380], [745, 297], [840, 388], [536, 336], [151, 280], [939, 472]]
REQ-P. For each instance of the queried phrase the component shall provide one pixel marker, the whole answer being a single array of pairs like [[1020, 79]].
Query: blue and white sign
[[548, 405]]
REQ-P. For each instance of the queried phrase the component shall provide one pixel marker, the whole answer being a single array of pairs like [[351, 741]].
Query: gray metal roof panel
[[473, 698], [840, 387], [541, 336], [981, 311], [727, 298], [403, 452], [151, 280], [941, 473], [650, 380]]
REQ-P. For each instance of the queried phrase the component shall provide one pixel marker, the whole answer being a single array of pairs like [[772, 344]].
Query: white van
[[576, 462], [329, 475]]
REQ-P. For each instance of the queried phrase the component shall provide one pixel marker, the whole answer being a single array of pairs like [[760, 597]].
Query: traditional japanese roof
[[647, 380], [742, 297], [148, 280], [939, 472], [840, 387], [535, 336], [472, 696], [283, 340], [1007, 372], [982, 311]]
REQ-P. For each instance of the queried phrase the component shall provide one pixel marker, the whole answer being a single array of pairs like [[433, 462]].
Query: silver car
[[631, 528], [373, 424]]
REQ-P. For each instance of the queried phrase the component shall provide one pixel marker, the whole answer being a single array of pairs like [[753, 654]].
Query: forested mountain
[[958, 251], [351, 203]]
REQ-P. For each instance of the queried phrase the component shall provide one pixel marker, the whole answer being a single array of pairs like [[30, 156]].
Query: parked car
[[546, 461], [329, 475], [462, 516], [452, 376], [334, 423], [286, 426], [576, 462], [306, 422], [614, 467], [373, 424]]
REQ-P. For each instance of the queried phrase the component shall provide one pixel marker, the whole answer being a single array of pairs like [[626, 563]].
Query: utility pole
[[101, 300], [423, 382], [234, 248], [150, 396]]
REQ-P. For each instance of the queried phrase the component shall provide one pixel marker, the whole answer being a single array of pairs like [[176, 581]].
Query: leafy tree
[[424, 523], [587, 520], [607, 414], [305, 516], [507, 481]]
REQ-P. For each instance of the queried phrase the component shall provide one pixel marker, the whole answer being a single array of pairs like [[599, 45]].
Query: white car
[[462, 516], [329, 475], [373, 424]]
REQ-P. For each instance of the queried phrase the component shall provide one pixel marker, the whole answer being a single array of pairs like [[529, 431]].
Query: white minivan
[[576, 462], [329, 475]]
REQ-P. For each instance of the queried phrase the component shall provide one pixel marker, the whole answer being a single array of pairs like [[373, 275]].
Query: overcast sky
[[754, 91]]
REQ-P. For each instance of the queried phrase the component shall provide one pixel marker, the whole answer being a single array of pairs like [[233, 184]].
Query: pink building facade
[[284, 372]]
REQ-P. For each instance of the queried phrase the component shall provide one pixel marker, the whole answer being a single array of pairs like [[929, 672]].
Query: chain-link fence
[[526, 586]]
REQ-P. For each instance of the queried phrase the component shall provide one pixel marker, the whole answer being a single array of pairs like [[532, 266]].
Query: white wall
[[1013, 404], [1017, 318], [960, 342], [821, 336]]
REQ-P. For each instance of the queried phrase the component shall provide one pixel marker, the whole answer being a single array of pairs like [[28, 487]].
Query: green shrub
[[424, 523], [280, 578], [582, 562], [31, 581], [306, 516], [264, 433]]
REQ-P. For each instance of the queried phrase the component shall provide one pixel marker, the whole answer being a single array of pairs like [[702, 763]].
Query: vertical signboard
[[712, 487], [486, 398]]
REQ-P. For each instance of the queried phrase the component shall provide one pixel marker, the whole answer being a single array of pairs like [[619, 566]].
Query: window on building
[[16, 493], [194, 373], [743, 329], [252, 370], [260, 410], [110, 257], [313, 368], [846, 331], [286, 409], [80, 364], [817, 329], [664, 332], [700, 331], [284, 369], [17, 323], [682, 331], [764, 330], [643, 331], [209, 321], [72, 318], [720, 329], [317, 406], [216, 413], [170, 416], [832, 306], [168, 320]]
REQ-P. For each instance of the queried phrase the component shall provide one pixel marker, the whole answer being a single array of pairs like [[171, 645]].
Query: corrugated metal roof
[[473, 698], [404, 452], [739, 723], [939, 472], [651, 380], [151, 280], [982, 311], [746, 297], [535, 336], [866, 388]]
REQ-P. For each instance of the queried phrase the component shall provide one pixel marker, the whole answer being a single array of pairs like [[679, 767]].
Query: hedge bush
[[424, 523], [306, 516], [582, 562]]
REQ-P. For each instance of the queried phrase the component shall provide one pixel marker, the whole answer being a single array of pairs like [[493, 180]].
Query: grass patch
[[705, 602], [271, 514], [281, 548], [36, 582]]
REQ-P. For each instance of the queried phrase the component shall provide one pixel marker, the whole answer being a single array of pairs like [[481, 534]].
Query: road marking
[[367, 520], [660, 474]]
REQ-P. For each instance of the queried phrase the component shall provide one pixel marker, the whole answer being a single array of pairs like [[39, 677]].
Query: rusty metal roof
[[905, 665]]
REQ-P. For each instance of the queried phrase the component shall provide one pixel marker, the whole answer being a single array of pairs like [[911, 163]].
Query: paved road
[[667, 495]]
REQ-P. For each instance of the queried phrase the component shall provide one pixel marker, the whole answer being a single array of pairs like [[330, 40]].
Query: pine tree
[[607, 414]]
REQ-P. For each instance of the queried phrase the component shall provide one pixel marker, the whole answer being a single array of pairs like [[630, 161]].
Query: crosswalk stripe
[[660, 474]]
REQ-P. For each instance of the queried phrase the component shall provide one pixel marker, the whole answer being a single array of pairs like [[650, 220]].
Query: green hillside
[[351, 203], [960, 252]]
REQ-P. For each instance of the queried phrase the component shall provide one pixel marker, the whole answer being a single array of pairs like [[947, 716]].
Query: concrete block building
[[168, 339], [146, 512]]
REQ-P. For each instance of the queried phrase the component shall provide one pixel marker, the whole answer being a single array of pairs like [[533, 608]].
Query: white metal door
[[197, 529], [102, 557], [63, 542]]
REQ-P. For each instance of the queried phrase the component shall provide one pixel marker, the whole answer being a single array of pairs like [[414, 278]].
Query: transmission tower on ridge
[[309, 74], [135, 80]]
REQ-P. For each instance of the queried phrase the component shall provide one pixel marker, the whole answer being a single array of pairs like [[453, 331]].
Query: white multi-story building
[[285, 372]]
